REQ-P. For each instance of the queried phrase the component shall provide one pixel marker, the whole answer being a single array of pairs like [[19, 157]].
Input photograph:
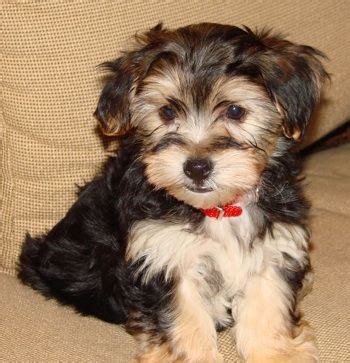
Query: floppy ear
[[113, 106], [293, 74]]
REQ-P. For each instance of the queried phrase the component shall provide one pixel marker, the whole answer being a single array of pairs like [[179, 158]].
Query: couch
[[50, 143]]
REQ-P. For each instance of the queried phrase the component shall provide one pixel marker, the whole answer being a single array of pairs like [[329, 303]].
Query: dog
[[198, 223]]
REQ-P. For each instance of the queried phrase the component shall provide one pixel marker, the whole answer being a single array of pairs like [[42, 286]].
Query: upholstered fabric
[[51, 84], [33, 329]]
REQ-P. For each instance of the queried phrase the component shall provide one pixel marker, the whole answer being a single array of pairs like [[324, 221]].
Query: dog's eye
[[167, 113], [235, 112]]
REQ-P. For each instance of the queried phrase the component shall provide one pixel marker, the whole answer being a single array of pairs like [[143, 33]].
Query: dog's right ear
[[114, 103], [113, 108]]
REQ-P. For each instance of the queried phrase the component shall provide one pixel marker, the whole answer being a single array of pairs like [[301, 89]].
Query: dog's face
[[208, 136], [210, 103]]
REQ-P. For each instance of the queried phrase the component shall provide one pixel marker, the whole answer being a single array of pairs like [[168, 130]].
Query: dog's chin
[[199, 189], [204, 197]]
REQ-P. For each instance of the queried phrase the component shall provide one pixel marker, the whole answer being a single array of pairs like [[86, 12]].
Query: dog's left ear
[[293, 74]]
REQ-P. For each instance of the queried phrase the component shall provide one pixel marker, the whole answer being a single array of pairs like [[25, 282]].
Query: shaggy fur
[[207, 116]]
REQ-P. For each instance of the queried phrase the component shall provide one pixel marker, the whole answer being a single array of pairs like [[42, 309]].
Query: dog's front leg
[[264, 329], [191, 334]]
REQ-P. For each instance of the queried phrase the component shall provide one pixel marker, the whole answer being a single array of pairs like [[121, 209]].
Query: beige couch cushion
[[50, 87], [34, 329]]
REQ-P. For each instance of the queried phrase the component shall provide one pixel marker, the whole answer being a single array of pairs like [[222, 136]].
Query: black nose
[[198, 169]]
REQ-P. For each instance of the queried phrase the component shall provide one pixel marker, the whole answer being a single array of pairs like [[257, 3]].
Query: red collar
[[229, 210]]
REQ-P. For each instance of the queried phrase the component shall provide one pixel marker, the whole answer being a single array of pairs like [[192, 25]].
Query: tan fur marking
[[193, 333], [264, 331], [152, 353]]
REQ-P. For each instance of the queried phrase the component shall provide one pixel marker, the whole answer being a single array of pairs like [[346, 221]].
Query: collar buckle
[[221, 212]]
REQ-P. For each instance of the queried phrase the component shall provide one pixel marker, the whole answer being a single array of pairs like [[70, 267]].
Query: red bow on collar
[[229, 210]]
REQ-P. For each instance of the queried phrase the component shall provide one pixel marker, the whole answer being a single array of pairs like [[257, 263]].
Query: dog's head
[[210, 103]]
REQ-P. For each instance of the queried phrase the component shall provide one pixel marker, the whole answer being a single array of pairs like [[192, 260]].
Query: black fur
[[81, 261], [280, 193]]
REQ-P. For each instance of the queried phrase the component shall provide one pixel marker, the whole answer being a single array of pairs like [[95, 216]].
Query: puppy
[[198, 223]]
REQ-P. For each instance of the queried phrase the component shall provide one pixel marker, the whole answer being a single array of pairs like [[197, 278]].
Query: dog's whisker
[[265, 129], [151, 132]]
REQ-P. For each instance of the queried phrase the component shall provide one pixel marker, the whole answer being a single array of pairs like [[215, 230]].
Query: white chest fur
[[219, 257], [220, 246], [230, 246]]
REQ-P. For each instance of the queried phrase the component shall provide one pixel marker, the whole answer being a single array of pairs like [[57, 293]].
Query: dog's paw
[[161, 354], [301, 349], [291, 357], [208, 357], [203, 357], [215, 357], [157, 354]]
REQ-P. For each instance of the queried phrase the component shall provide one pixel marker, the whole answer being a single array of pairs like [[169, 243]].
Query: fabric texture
[[34, 329], [50, 86]]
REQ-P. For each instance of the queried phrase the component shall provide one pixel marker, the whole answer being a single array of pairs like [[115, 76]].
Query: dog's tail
[[29, 265], [69, 277]]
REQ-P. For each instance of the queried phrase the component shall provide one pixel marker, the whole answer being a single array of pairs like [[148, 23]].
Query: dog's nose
[[198, 169]]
